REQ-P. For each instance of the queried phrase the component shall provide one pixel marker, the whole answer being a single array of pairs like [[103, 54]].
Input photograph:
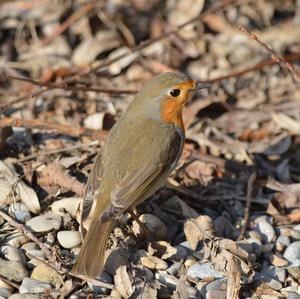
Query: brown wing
[[139, 184], [91, 191]]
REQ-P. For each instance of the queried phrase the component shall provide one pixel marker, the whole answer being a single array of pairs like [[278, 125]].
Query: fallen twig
[[251, 181], [86, 8], [50, 126], [274, 55], [22, 228]]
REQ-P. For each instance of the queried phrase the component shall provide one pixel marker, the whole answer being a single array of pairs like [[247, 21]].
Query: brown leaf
[[198, 229], [122, 282]]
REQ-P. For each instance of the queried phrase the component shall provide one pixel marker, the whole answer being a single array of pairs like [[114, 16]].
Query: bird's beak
[[200, 86]]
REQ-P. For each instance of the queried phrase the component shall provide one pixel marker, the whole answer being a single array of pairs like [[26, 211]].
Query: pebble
[[274, 272], [94, 121], [17, 240], [34, 286], [216, 295], [186, 245], [44, 223], [277, 260], [293, 296], [202, 271], [12, 253], [69, 239], [153, 262], [190, 260], [12, 270], [292, 252], [294, 271], [115, 259], [20, 211], [266, 229], [175, 268], [29, 245], [69, 204], [282, 243], [167, 280], [5, 293], [295, 234], [181, 254], [46, 274], [35, 253], [5, 289], [104, 277], [153, 223]]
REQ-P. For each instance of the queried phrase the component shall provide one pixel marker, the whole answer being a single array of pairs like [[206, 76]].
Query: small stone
[[115, 259], [44, 223], [153, 223], [216, 295], [273, 284], [282, 243], [187, 247], [17, 240], [35, 253], [12, 253], [295, 234], [292, 252], [294, 271], [34, 286], [12, 270], [153, 262], [20, 211], [69, 239], [4, 292], [190, 260], [29, 245], [104, 277], [203, 271], [69, 204], [277, 260], [94, 121], [46, 274], [274, 272], [293, 296], [167, 280], [266, 229], [175, 268], [181, 254]]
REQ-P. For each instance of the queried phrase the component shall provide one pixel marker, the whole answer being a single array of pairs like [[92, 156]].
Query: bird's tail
[[90, 261]]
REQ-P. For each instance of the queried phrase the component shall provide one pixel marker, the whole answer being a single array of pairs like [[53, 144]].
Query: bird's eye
[[175, 92]]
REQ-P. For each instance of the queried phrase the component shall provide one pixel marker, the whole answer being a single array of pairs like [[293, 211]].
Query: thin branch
[[25, 232], [259, 66], [86, 8], [274, 55], [51, 126], [251, 181]]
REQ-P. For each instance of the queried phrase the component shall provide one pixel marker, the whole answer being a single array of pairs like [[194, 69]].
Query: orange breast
[[171, 112]]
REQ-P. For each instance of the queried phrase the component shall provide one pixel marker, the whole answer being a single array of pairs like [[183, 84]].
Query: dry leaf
[[198, 229], [27, 195], [122, 282]]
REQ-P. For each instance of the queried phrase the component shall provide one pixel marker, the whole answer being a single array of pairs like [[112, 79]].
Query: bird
[[139, 154]]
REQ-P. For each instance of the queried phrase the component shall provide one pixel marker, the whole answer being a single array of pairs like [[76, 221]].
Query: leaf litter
[[69, 70]]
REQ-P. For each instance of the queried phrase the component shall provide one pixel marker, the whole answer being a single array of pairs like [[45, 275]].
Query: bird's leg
[[143, 226]]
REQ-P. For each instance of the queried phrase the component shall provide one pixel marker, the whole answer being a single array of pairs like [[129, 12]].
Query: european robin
[[140, 152]]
